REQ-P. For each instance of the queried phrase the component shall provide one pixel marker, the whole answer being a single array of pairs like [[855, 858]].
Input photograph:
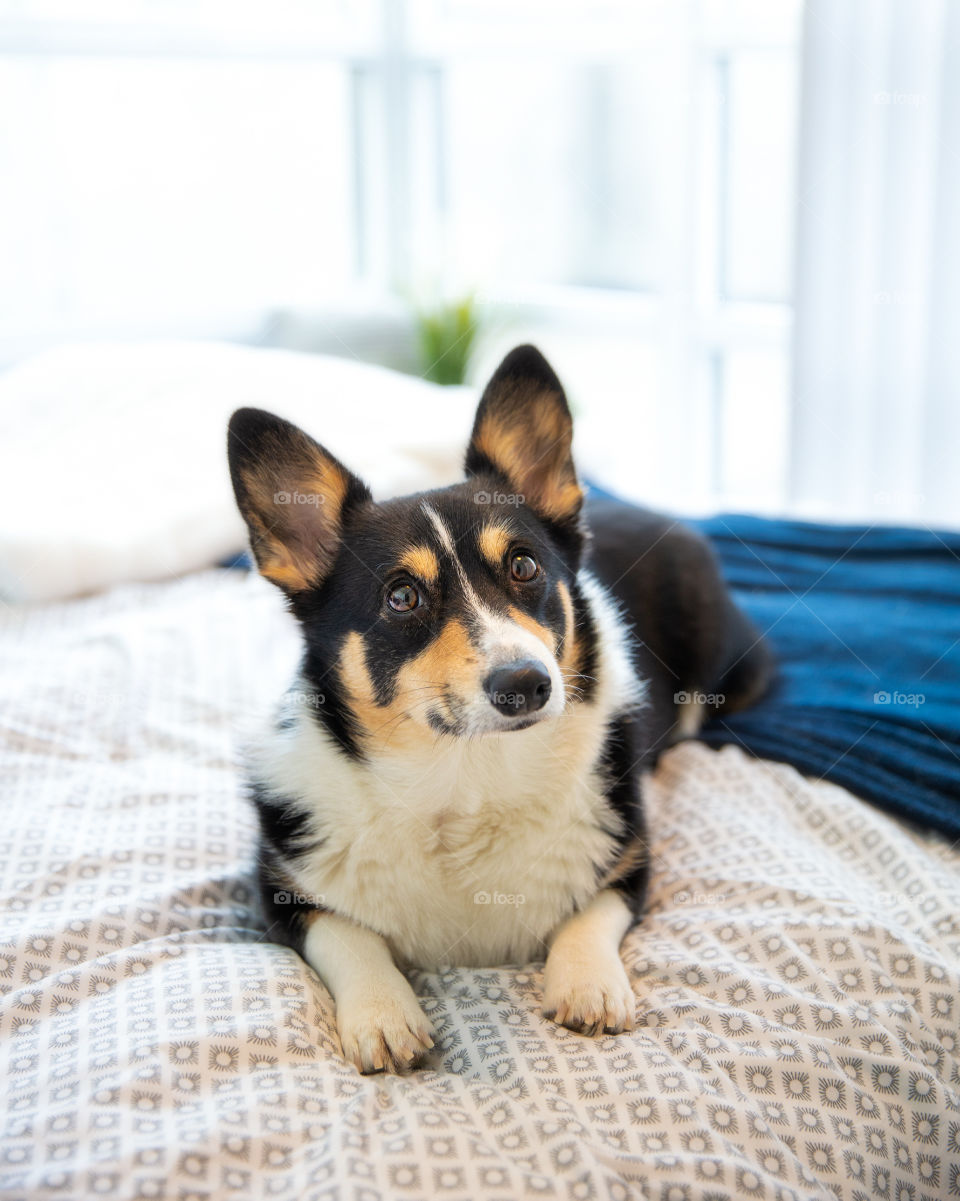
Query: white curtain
[[876, 388]]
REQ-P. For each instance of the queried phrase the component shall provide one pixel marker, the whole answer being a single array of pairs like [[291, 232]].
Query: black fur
[[330, 711], [689, 636], [286, 916], [587, 636], [282, 826], [284, 833], [622, 761]]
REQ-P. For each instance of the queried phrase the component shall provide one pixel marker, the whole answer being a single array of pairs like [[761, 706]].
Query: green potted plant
[[445, 335]]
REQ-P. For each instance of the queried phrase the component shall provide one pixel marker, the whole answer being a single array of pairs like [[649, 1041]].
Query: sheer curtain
[[876, 376]]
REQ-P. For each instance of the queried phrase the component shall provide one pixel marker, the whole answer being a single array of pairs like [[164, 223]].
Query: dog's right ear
[[523, 432], [292, 494]]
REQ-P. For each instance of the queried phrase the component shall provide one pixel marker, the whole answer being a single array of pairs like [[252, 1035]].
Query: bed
[[797, 973]]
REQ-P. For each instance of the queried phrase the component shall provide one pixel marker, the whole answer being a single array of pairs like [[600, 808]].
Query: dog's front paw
[[384, 1032], [589, 994]]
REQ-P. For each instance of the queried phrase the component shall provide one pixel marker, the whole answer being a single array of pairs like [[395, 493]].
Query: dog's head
[[454, 611]]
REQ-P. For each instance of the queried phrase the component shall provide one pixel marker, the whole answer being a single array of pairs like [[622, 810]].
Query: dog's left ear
[[523, 432], [293, 495]]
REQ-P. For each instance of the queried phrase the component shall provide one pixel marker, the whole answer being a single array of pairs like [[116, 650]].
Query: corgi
[[454, 777]]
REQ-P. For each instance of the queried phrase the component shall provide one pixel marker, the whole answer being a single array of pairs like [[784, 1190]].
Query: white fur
[[470, 851], [585, 985], [379, 1018]]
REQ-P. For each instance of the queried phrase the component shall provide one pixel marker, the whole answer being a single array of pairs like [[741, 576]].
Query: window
[[624, 195], [614, 180]]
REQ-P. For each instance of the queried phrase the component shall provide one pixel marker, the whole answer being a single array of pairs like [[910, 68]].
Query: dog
[[455, 774]]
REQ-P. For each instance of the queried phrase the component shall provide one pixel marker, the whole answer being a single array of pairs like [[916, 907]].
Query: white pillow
[[114, 464]]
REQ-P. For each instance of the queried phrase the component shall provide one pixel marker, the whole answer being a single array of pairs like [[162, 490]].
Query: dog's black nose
[[518, 688]]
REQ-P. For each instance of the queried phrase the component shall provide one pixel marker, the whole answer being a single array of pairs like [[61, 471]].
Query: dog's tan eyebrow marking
[[422, 562], [494, 540]]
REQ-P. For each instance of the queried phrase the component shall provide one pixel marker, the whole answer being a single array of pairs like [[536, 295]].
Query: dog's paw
[[591, 995], [384, 1032]]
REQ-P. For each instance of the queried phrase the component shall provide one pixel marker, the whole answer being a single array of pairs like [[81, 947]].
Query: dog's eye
[[403, 597], [524, 567]]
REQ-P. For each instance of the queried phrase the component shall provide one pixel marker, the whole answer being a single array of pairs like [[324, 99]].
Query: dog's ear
[[523, 432], [292, 494]]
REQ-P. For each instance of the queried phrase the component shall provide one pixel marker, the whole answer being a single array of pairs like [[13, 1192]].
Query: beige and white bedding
[[797, 975]]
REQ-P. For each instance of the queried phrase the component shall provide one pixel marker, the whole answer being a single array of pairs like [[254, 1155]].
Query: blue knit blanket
[[865, 624]]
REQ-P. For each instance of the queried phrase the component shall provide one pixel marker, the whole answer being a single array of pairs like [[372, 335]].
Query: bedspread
[[797, 973]]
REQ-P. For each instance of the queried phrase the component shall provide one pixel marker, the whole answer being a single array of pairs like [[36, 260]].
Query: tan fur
[[634, 855], [375, 721], [448, 664], [292, 574], [449, 661], [494, 541], [570, 650], [544, 633], [422, 562]]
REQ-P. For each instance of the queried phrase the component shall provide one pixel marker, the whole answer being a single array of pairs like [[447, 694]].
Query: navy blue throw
[[865, 624]]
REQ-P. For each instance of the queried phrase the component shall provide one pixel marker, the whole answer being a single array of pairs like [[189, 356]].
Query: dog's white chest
[[473, 856]]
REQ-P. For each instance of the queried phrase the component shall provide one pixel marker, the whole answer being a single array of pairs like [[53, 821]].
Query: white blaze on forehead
[[446, 541], [443, 532]]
